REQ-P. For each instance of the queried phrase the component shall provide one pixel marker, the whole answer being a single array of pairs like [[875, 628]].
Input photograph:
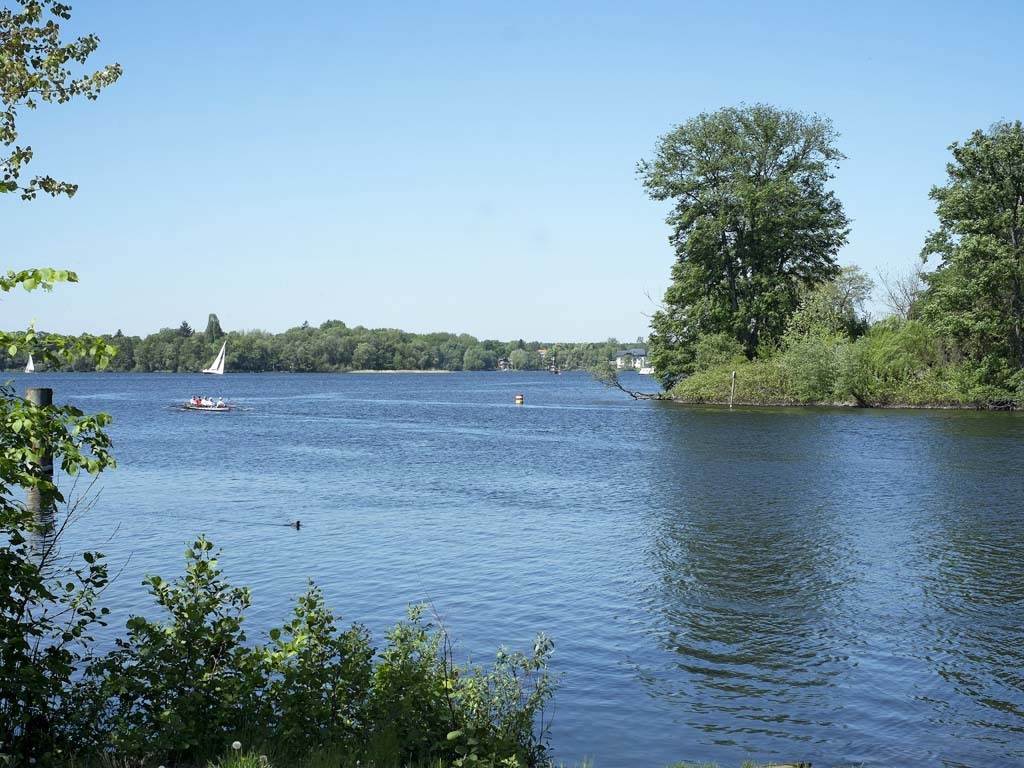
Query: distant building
[[631, 358], [542, 353], [504, 364]]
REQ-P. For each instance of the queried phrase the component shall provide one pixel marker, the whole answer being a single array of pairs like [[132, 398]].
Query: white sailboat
[[217, 366], [30, 367]]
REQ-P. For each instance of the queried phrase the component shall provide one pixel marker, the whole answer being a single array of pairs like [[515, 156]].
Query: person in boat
[[220, 402]]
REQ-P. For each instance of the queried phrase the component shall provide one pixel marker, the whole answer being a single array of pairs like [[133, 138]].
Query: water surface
[[808, 584]]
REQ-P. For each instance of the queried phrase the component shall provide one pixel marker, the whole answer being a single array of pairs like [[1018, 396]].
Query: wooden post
[[732, 390], [40, 397]]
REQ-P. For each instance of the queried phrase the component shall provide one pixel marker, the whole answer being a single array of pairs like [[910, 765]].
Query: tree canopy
[[213, 329], [975, 296], [753, 225], [37, 66]]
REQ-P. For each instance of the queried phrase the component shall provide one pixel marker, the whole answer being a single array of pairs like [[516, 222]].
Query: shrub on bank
[[757, 381], [176, 689], [896, 363]]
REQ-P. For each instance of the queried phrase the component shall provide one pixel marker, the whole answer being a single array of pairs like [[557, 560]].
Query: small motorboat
[[205, 404]]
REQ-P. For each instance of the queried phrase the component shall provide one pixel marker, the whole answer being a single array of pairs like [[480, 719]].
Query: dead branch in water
[[609, 376]]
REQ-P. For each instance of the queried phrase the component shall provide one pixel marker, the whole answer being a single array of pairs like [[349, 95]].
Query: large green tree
[[753, 225], [975, 296]]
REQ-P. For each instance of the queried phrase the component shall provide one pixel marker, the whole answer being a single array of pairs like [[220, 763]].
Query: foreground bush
[[175, 691]]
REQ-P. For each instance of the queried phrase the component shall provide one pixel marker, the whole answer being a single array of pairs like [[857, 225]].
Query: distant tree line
[[332, 347]]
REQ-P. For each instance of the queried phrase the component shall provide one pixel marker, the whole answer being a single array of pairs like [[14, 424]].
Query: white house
[[631, 358]]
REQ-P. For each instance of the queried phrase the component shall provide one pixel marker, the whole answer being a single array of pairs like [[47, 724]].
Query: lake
[[839, 586]]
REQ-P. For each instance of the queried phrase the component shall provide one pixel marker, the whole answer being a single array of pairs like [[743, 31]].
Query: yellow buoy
[[519, 399]]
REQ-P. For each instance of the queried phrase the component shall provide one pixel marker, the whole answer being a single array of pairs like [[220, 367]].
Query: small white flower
[[236, 745]]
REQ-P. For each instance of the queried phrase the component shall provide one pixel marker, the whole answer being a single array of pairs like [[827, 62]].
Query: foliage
[[975, 297], [811, 363], [762, 382], [213, 330], [749, 192], [896, 363], [752, 225], [47, 348], [409, 707], [890, 358], [239, 759], [519, 359], [47, 613], [478, 358], [47, 604], [489, 717], [37, 66], [498, 709], [177, 688], [715, 349], [834, 307], [318, 678], [331, 347]]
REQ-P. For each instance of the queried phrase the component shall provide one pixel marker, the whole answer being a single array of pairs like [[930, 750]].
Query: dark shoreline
[[844, 406]]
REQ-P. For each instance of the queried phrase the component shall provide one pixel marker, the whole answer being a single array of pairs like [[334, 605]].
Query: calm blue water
[[835, 586]]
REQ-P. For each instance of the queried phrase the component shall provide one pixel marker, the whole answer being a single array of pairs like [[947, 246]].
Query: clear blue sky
[[452, 166]]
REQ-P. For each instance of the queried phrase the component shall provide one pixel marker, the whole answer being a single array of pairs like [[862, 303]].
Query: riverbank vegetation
[[757, 289]]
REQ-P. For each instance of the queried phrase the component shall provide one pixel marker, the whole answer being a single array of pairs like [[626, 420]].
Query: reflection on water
[[837, 586], [847, 579], [752, 566]]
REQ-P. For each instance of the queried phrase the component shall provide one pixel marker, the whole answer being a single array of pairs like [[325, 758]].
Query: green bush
[[318, 679], [757, 381], [48, 604], [811, 363], [177, 691], [896, 363]]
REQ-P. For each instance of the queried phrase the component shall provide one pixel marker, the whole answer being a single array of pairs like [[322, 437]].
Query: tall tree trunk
[[1018, 315], [1018, 289], [730, 271]]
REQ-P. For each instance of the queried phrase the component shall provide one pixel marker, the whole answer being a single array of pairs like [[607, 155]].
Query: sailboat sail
[[218, 362], [30, 367]]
